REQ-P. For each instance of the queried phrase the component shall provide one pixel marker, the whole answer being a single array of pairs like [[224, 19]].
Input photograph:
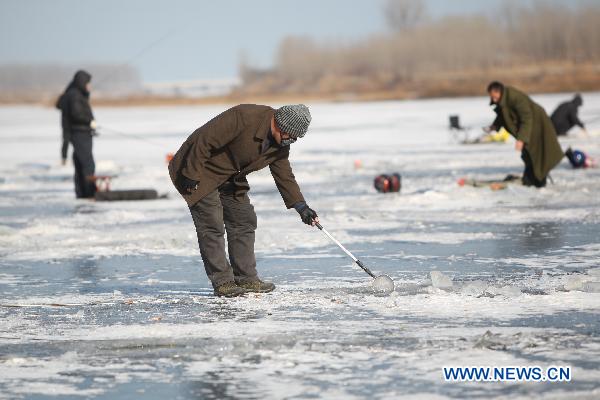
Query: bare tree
[[403, 15]]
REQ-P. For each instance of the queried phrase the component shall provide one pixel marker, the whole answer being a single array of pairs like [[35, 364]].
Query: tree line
[[417, 49]]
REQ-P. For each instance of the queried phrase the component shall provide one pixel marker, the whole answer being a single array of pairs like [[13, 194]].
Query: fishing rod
[[103, 128], [591, 120], [111, 73], [143, 51]]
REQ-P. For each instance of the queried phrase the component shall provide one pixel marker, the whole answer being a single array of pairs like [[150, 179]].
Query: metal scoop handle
[[356, 260]]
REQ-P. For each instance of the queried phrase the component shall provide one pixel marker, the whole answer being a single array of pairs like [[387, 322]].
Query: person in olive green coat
[[209, 171], [528, 122]]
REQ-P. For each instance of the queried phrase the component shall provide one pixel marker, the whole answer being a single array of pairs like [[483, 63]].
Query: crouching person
[[530, 125], [209, 171]]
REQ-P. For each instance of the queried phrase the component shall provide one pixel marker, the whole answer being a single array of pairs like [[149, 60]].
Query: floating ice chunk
[[16, 361], [410, 288], [383, 285], [595, 272], [492, 341], [440, 281], [583, 283], [575, 282], [591, 287], [506, 291], [475, 288]]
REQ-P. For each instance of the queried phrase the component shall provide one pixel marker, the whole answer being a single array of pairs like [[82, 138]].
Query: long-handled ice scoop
[[382, 284]]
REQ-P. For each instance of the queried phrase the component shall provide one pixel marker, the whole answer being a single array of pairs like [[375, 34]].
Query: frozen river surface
[[110, 300]]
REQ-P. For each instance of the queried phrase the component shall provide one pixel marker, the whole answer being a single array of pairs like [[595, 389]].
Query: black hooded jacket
[[75, 107], [565, 116]]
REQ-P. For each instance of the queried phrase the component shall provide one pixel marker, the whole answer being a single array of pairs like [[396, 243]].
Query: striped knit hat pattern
[[293, 119]]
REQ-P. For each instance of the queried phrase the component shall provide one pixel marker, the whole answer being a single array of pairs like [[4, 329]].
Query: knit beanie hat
[[293, 120]]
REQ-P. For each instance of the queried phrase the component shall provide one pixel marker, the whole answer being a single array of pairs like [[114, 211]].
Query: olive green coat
[[527, 121], [230, 147]]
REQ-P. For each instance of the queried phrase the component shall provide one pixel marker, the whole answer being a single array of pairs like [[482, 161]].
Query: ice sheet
[[110, 299]]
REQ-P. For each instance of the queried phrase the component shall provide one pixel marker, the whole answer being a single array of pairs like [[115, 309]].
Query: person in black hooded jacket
[[565, 116], [78, 127]]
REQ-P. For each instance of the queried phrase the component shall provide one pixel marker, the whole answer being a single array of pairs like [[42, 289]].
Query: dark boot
[[529, 178], [229, 289], [256, 286]]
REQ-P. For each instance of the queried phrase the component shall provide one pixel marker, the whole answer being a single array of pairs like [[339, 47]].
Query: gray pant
[[216, 213], [83, 160]]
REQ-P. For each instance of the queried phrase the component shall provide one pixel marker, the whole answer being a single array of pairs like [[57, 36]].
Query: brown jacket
[[229, 146]]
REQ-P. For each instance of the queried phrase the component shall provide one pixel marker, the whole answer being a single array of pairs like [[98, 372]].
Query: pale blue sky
[[206, 36]]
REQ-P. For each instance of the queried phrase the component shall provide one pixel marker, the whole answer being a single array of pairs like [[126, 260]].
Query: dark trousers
[[83, 160], [221, 212], [529, 178]]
